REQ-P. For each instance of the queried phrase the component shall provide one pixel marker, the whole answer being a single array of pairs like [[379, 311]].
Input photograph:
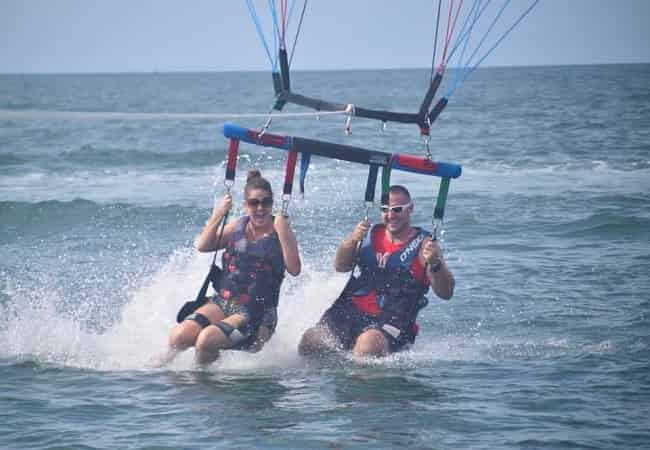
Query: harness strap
[[214, 277], [385, 180], [214, 273], [288, 180], [233, 149], [304, 166], [437, 109], [371, 183], [199, 318], [423, 119], [439, 211], [231, 332], [284, 70], [370, 188], [289, 172]]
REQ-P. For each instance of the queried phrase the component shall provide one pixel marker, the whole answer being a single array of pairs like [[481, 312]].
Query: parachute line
[[258, 28], [435, 42], [471, 69], [455, 46], [295, 39], [450, 31]]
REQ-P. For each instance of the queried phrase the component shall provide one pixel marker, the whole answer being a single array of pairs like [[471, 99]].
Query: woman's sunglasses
[[394, 209], [266, 202]]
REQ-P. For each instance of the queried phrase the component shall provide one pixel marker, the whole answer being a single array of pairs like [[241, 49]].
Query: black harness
[[251, 274]]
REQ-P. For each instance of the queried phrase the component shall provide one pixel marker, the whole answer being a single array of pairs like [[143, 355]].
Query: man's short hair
[[398, 188]]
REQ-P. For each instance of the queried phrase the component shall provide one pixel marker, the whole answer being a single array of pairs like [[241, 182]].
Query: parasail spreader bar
[[404, 162]]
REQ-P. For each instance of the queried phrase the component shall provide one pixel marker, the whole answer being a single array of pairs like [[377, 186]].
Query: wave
[[92, 157], [554, 180], [546, 163], [20, 218], [606, 225], [19, 212], [11, 159], [24, 213], [89, 156]]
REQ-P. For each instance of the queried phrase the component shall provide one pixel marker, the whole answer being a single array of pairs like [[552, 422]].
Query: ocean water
[[544, 345]]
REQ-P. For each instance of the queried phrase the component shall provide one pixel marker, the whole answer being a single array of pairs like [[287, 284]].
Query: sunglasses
[[266, 202], [394, 209]]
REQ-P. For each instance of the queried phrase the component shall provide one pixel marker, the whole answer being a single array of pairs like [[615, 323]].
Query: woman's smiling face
[[259, 205]]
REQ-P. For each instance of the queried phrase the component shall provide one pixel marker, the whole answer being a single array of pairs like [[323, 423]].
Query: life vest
[[252, 271], [399, 293]]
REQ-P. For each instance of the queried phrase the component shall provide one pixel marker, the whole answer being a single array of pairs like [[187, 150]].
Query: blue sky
[[201, 35]]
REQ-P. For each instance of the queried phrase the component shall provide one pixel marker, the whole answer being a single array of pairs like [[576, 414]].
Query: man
[[377, 310]]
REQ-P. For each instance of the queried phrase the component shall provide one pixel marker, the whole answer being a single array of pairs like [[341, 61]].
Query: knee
[[183, 335], [313, 340], [207, 346], [371, 343], [209, 340]]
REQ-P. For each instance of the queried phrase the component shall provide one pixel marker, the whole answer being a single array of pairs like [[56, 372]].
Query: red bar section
[[417, 163], [272, 140]]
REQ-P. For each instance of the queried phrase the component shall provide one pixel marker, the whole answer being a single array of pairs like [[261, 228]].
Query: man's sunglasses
[[266, 202], [394, 209]]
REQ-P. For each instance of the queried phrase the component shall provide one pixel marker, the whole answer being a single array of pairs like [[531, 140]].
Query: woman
[[259, 247]]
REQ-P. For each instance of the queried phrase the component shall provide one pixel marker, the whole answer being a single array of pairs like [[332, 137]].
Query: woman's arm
[[207, 240], [288, 243]]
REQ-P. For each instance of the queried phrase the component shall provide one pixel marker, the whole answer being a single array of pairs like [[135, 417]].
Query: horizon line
[[358, 69]]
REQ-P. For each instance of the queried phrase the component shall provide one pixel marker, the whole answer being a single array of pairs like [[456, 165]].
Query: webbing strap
[[214, 273], [231, 167], [288, 180], [426, 103], [437, 109], [304, 166], [277, 88], [439, 211], [371, 183], [289, 172], [284, 70], [385, 181], [232, 159]]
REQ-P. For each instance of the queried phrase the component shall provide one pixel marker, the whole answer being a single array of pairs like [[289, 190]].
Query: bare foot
[[161, 360]]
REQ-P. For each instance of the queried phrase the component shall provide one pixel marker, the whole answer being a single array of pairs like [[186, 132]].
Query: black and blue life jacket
[[399, 294], [252, 271], [251, 274]]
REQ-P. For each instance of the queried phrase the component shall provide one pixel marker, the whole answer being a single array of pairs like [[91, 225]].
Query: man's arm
[[441, 279], [346, 253]]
